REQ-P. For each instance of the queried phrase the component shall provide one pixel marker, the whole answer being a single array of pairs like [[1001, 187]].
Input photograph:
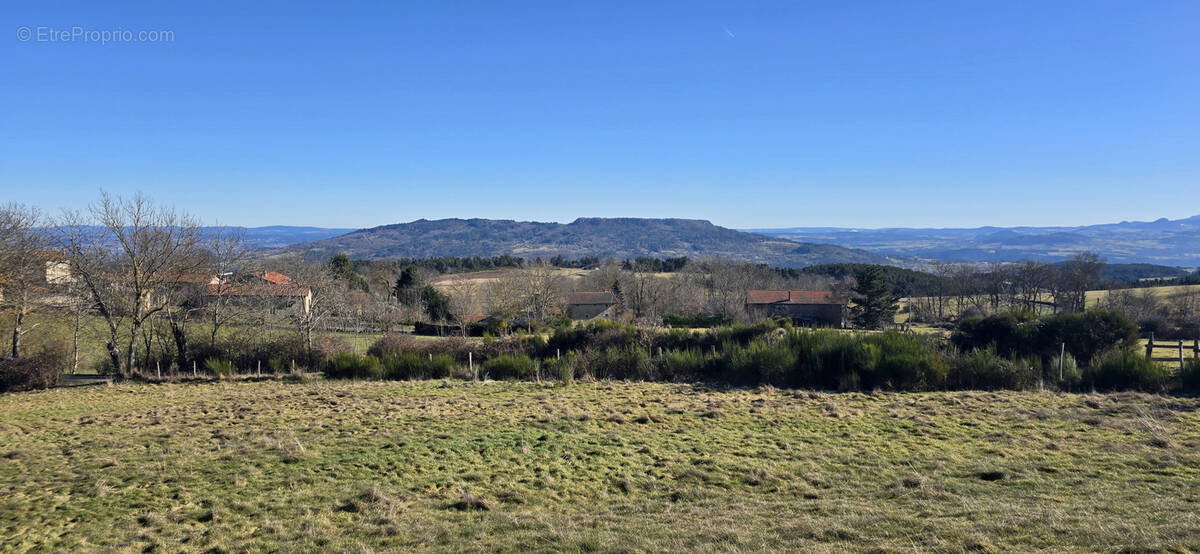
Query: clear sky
[[750, 114]]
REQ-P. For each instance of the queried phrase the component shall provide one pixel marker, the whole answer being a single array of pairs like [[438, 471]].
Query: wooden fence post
[[158, 367], [1180, 354], [1150, 347], [258, 370], [194, 374], [471, 365]]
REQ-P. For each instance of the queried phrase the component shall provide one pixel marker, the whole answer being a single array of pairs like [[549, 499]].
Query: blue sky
[[750, 114]]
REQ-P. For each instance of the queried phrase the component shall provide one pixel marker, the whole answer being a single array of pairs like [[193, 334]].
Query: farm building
[[275, 290], [804, 307], [590, 305]]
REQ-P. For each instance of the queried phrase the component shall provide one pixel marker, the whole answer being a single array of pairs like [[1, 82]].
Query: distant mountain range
[[278, 236], [619, 238], [1163, 241]]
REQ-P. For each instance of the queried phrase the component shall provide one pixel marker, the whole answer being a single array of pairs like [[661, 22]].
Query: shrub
[[441, 366], [407, 365], [22, 374], [1189, 377], [1069, 376], [984, 369], [1085, 335], [621, 362], [1125, 369], [681, 365], [1008, 333], [348, 365], [742, 334], [907, 362], [509, 366], [761, 363], [220, 367], [391, 345], [563, 368], [403, 365]]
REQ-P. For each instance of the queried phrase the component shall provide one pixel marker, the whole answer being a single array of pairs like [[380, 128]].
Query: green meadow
[[606, 466]]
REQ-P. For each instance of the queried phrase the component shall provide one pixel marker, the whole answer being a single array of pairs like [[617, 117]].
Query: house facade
[[821, 308]]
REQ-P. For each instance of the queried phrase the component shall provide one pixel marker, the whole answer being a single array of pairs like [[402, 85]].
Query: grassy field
[[373, 466]]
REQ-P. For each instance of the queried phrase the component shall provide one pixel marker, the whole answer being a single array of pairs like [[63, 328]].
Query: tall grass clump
[[1127, 369]]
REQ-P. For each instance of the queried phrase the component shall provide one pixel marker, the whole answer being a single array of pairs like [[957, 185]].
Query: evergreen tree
[[437, 305], [405, 290], [875, 305]]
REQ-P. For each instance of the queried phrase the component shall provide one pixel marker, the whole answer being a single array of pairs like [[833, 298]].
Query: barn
[[590, 305], [804, 307]]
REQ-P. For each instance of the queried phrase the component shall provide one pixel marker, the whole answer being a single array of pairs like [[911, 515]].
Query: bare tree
[[542, 291], [463, 302], [505, 298], [1031, 283], [22, 264], [322, 296], [128, 253], [227, 252], [1073, 278]]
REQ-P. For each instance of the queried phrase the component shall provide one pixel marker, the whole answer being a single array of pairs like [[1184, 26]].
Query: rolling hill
[[1163, 241], [603, 237]]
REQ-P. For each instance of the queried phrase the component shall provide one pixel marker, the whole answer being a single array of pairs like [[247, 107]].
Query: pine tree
[[875, 305]]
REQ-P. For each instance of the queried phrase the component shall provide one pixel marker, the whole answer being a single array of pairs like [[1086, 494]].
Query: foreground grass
[[367, 466]]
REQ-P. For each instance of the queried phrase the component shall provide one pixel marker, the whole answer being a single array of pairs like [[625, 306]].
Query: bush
[[1085, 335], [682, 365], [761, 363], [509, 366], [984, 369], [1189, 378], [348, 365], [220, 367], [1008, 333], [563, 368], [908, 362], [22, 374], [621, 362], [1069, 375], [391, 345], [1126, 369]]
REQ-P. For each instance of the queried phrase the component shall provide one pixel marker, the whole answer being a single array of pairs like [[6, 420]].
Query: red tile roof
[[791, 297], [605, 298], [277, 278]]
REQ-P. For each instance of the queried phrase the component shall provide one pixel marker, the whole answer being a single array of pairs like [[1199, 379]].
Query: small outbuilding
[[804, 307], [590, 305]]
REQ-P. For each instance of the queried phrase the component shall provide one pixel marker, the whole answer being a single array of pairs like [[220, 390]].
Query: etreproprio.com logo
[[92, 36]]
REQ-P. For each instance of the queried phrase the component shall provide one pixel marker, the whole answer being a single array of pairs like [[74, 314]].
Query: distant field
[[1094, 296], [370, 466]]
